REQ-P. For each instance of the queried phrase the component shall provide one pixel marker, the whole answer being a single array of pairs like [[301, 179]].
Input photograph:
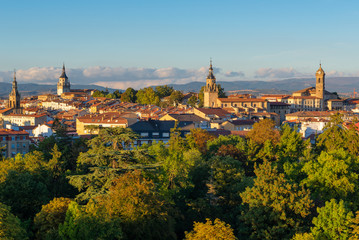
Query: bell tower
[[64, 84], [320, 83], [210, 90], [14, 97]]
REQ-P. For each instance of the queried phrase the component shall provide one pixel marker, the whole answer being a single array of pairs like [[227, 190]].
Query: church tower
[[14, 97], [320, 83], [210, 90], [63, 85]]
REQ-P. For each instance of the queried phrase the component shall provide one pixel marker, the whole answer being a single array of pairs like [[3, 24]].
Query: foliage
[[176, 97], [147, 96], [47, 221], [198, 139], [211, 230], [129, 95], [333, 174], [164, 91], [10, 225], [88, 223], [264, 130], [142, 211], [333, 221], [192, 101], [277, 209]]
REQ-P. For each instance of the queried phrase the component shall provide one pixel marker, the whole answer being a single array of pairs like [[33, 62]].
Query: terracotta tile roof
[[12, 132], [241, 100], [214, 111]]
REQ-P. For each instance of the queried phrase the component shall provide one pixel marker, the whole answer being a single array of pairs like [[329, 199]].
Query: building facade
[[14, 142]]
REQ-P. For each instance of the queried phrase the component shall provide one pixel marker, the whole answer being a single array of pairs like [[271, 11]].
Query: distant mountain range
[[334, 84], [33, 89]]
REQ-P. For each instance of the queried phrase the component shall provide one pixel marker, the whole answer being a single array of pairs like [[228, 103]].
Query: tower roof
[[320, 70], [63, 75], [210, 72]]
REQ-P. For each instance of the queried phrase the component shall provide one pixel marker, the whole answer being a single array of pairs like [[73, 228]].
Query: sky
[[141, 43]]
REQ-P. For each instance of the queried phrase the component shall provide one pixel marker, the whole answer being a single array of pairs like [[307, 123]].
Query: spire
[[210, 72], [14, 75], [63, 74]]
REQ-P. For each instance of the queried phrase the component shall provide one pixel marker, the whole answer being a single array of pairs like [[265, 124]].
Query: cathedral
[[313, 98], [64, 84]]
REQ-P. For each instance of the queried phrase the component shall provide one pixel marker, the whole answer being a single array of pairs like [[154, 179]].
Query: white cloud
[[278, 73], [234, 74]]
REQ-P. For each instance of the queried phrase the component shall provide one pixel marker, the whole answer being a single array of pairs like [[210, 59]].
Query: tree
[[211, 230], [24, 193], [147, 96], [129, 95], [276, 209], [355, 227], [263, 131], [89, 223], [333, 174], [143, 212], [47, 221], [98, 93], [10, 225], [198, 139], [176, 97], [164, 91], [192, 101], [333, 221]]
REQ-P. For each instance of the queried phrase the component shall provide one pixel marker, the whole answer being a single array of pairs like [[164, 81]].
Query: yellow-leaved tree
[[209, 230]]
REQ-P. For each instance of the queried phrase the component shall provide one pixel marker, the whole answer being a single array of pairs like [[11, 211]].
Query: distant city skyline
[[119, 43]]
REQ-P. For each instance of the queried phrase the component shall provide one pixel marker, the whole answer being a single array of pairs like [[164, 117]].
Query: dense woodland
[[270, 185]]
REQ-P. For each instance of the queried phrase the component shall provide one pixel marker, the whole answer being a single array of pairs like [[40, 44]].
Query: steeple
[[210, 71], [63, 75], [14, 97], [210, 90], [64, 84]]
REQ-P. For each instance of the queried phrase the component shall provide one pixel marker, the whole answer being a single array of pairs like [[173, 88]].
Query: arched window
[[318, 80]]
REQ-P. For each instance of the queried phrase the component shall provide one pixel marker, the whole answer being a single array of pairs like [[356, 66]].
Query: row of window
[[14, 138], [155, 134]]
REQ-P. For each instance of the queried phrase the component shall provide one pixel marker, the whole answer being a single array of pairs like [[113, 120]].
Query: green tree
[[276, 209], [47, 221], [164, 91], [332, 175], [129, 95], [89, 223], [98, 93], [333, 221], [147, 96], [210, 231], [176, 97], [10, 225], [193, 101]]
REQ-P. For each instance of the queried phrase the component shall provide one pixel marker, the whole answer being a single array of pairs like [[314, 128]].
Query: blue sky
[[246, 39]]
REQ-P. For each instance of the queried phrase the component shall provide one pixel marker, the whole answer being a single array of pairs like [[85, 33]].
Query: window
[[13, 138], [155, 134], [166, 134], [13, 145], [144, 134]]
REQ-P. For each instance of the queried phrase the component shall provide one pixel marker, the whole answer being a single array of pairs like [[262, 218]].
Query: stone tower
[[320, 83], [14, 97], [210, 90], [64, 84]]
